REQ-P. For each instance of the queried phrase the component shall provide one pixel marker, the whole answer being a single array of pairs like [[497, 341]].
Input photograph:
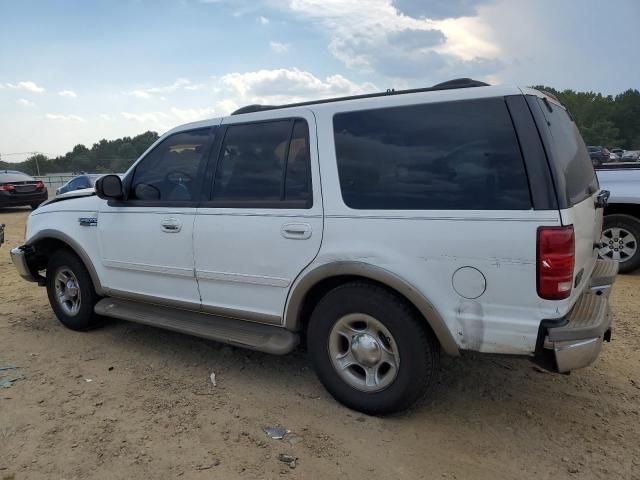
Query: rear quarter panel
[[426, 248]]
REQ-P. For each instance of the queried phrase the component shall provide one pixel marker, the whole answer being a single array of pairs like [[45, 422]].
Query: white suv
[[380, 229]]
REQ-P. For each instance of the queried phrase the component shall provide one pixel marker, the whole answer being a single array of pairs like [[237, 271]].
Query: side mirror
[[109, 187]]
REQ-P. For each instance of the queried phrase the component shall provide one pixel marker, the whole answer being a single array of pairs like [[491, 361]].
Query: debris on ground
[[288, 459], [213, 379], [208, 466], [276, 432], [6, 379]]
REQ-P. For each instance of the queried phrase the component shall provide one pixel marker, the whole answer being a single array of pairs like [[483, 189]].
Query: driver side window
[[170, 172]]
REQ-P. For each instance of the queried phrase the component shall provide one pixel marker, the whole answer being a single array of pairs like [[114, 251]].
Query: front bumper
[[19, 258], [576, 340]]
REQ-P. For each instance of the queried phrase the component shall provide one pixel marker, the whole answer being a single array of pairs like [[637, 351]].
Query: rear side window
[[264, 165], [571, 160], [438, 156]]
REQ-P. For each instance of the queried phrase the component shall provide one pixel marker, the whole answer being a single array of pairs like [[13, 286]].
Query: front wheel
[[620, 236], [370, 349], [70, 291]]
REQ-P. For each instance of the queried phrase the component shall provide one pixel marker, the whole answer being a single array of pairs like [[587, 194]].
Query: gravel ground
[[130, 401]]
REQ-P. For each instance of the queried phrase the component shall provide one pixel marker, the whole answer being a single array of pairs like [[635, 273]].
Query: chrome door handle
[[296, 231], [171, 225]]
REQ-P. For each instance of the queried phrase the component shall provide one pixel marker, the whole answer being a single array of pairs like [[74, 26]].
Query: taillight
[[555, 261], [39, 185], [7, 188]]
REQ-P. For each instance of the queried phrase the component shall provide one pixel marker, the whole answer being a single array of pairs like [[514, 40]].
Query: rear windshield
[[571, 161], [14, 177], [460, 155]]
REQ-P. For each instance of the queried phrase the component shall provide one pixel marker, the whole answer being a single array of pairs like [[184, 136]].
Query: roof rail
[[448, 85]]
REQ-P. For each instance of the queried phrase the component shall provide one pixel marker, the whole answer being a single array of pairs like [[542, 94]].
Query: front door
[[145, 240], [262, 223]]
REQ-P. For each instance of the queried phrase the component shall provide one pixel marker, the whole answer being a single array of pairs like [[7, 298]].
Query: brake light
[[555, 261], [39, 185], [7, 188]]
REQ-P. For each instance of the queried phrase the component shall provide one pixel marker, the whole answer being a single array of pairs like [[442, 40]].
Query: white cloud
[[263, 20], [139, 94], [25, 103], [197, 86], [145, 117], [105, 116], [67, 93], [67, 118], [27, 86], [279, 47], [382, 39], [149, 92], [192, 114], [288, 85]]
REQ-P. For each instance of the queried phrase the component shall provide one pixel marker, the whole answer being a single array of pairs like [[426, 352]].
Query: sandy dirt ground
[[128, 401]]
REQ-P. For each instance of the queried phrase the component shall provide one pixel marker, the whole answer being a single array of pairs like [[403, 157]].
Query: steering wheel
[[178, 177]]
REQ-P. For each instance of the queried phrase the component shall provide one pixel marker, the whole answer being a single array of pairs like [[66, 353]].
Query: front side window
[[171, 171], [264, 164], [461, 155]]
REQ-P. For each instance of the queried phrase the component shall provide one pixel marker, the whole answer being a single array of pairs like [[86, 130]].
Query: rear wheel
[[71, 292], [620, 236], [370, 349]]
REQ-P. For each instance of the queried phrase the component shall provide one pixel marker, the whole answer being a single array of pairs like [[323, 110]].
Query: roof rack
[[448, 85]]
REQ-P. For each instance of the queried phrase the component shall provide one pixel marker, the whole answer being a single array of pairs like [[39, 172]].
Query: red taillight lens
[[39, 185], [555, 261], [7, 188]]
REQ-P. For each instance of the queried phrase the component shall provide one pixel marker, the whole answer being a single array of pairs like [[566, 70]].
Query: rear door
[[576, 183], [261, 224]]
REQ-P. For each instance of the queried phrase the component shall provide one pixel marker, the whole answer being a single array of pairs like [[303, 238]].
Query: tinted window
[[570, 156], [265, 163], [170, 172], [449, 156]]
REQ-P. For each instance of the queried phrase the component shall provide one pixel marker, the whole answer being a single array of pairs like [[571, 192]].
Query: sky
[[78, 71]]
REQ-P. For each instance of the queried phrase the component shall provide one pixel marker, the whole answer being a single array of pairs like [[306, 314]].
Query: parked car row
[[601, 155]]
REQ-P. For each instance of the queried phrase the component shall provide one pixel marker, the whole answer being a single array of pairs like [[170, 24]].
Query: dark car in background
[[18, 189], [599, 155], [78, 183]]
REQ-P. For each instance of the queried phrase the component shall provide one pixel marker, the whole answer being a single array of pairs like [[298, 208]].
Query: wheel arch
[[313, 284], [47, 241]]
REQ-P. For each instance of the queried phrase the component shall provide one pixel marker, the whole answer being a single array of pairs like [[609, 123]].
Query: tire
[[626, 229], [378, 323], [34, 205], [65, 265]]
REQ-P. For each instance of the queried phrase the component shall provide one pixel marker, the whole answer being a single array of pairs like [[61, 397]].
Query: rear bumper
[[575, 341], [20, 199]]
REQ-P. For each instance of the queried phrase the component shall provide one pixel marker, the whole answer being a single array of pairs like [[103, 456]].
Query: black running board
[[255, 336]]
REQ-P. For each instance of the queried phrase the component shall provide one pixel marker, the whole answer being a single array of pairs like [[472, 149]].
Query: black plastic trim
[[449, 85], [545, 135], [543, 195]]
